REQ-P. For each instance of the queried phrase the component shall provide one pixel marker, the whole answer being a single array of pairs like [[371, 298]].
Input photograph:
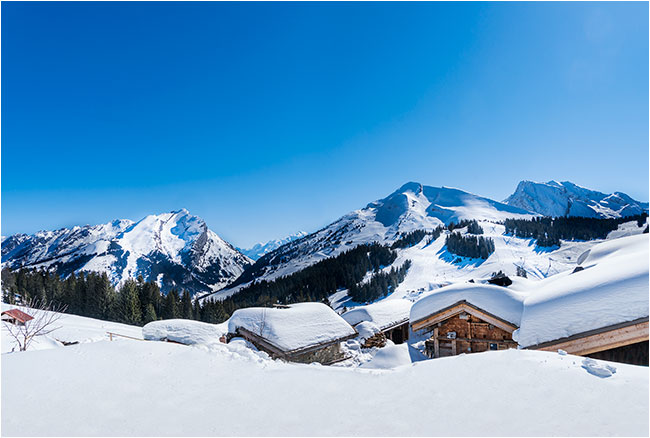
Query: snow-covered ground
[[71, 328], [134, 388]]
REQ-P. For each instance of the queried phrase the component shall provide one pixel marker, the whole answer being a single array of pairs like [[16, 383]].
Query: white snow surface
[[133, 388], [70, 328], [497, 300], [184, 331], [613, 288], [299, 326], [383, 313]]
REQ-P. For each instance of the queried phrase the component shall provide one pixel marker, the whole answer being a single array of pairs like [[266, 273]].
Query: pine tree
[[129, 303], [186, 305], [150, 314]]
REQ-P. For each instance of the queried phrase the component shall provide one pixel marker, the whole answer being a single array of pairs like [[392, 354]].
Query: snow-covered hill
[[176, 249], [260, 249], [567, 199], [142, 388], [411, 207]]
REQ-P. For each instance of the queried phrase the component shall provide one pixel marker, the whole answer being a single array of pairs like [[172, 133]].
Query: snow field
[[162, 389]]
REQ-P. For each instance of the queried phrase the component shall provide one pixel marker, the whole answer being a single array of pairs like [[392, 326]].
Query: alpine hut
[[304, 332], [467, 318]]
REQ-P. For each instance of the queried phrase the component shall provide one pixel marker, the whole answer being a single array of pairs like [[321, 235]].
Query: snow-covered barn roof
[[183, 331], [296, 327], [383, 314], [612, 289], [497, 300]]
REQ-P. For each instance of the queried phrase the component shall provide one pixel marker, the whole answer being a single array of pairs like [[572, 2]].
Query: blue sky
[[269, 118]]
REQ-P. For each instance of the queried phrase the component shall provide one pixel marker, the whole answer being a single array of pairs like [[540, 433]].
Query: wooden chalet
[[465, 328], [304, 332], [16, 317], [467, 318]]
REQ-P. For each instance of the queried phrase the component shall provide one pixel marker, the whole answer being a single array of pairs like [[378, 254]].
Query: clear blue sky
[[269, 118]]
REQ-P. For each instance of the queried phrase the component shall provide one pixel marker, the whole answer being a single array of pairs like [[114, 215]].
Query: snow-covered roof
[[383, 314], [294, 328], [184, 331], [613, 288], [497, 300]]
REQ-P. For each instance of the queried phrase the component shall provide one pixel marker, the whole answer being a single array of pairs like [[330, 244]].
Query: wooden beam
[[436, 343], [607, 340], [463, 306], [453, 347]]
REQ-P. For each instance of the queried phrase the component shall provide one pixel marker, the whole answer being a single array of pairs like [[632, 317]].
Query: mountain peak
[[565, 198]]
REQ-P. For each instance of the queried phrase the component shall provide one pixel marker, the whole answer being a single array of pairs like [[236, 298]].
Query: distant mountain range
[[178, 250], [260, 249]]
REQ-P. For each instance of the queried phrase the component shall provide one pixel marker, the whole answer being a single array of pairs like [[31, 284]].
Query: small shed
[[467, 318], [16, 317], [303, 332], [391, 316]]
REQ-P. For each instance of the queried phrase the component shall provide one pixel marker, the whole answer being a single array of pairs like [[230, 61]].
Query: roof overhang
[[459, 307], [604, 338]]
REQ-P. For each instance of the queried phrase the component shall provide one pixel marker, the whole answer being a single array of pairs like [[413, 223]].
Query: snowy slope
[[176, 249], [71, 328], [260, 249], [163, 389], [567, 199], [412, 207]]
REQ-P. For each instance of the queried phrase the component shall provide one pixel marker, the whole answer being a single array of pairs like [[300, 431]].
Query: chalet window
[[493, 346], [451, 335]]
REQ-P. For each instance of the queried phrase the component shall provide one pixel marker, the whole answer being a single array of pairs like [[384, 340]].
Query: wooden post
[[436, 343], [453, 347], [110, 335]]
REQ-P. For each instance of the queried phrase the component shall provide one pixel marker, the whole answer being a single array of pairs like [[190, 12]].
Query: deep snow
[[161, 389]]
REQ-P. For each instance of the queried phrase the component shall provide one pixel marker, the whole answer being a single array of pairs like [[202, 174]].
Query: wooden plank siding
[[463, 332]]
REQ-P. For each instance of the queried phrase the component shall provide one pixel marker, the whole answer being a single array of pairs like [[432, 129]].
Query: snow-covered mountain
[[176, 249], [260, 249], [412, 207], [567, 199]]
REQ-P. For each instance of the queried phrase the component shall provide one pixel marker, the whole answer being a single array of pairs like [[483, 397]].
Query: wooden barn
[[390, 316], [16, 317], [467, 318], [304, 332]]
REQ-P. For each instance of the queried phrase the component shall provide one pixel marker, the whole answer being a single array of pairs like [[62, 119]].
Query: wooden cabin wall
[[473, 335], [634, 354]]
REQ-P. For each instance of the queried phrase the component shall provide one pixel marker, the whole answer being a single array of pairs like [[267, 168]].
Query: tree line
[[469, 245], [548, 231], [91, 294], [318, 281]]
